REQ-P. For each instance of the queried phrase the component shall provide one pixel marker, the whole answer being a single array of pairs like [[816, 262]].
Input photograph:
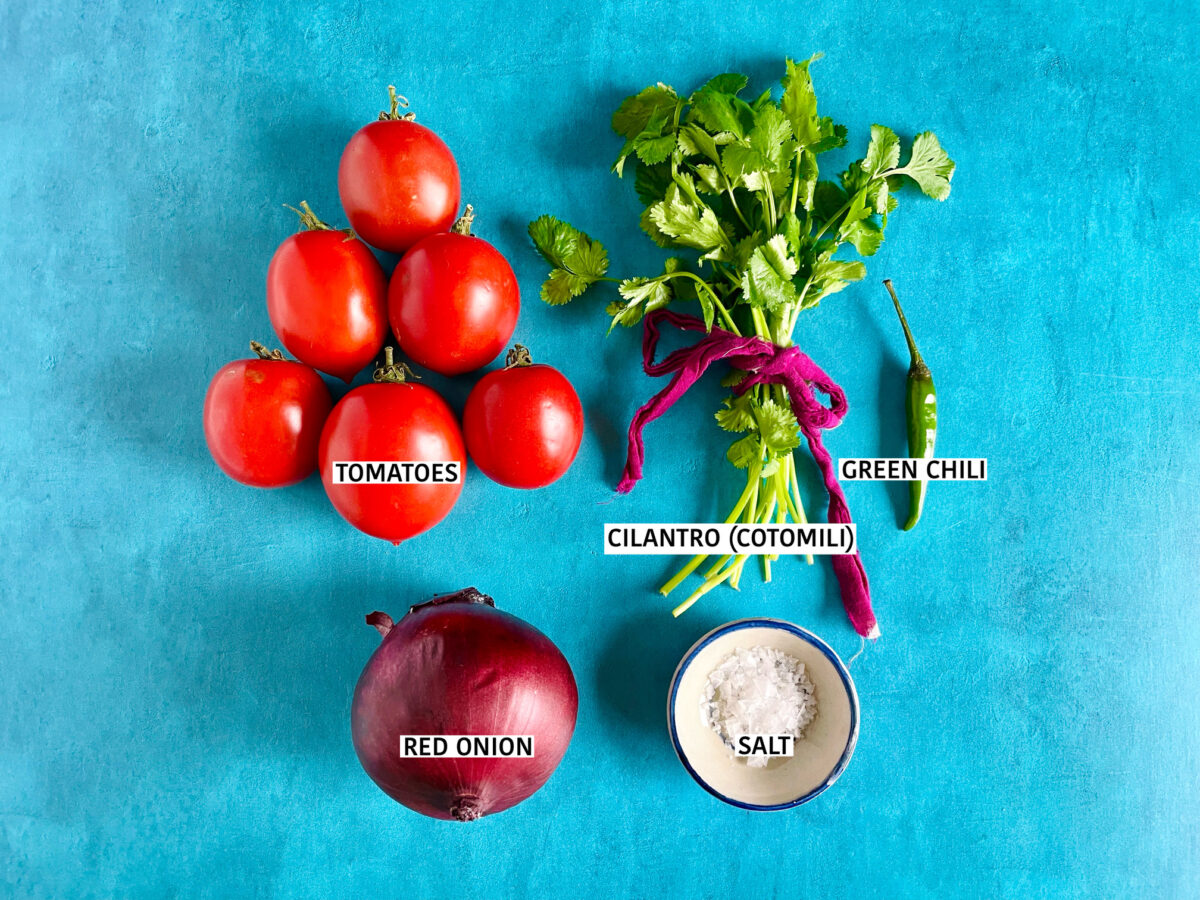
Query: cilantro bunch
[[734, 185]]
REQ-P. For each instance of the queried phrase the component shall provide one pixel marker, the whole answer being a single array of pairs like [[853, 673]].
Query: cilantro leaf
[[553, 240], [799, 102], [830, 276], [560, 287], [635, 112], [766, 152], [708, 178], [828, 199], [651, 150], [737, 415], [857, 210], [644, 295], [880, 199], [832, 136], [650, 145], [651, 293], [729, 83], [695, 141], [651, 182], [767, 281], [706, 306], [772, 136], [777, 427], [864, 235], [775, 252], [717, 106], [578, 261], [742, 453], [690, 224], [792, 232], [808, 178], [656, 234], [883, 153], [929, 166], [590, 259], [743, 248], [855, 178], [623, 315]]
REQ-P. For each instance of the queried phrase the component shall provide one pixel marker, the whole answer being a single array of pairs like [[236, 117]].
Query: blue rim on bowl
[[804, 635]]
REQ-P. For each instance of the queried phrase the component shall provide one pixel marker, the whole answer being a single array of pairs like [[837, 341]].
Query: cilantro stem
[[767, 201], [736, 568], [750, 492], [760, 323], [701, 283], [677, 578], [769, 511], [781, 490], [848, 204], [717, 566], [798, 507], [734, 282], [737, 209], [796, 179], [733, 200], [789, 324], [709, 585], [832, 219]]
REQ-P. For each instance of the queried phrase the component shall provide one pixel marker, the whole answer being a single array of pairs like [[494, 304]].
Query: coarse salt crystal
[[758, 691]]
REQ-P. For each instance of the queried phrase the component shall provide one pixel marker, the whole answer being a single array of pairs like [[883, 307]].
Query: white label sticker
[[467, 746], [763, 745], [396, 472], [738, 538], [911, 469]]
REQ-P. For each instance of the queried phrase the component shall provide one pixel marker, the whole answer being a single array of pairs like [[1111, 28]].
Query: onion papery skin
[[458, 666]]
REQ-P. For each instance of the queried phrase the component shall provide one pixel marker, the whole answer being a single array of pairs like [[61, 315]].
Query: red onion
[[456, 665]]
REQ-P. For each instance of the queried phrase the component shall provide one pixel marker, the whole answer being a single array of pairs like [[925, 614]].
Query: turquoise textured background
[[178, 652]]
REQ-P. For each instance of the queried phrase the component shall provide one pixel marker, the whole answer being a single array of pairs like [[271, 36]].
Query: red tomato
[[326, 296], [453, 302], [398, 182], [523, 424], [263, 419], [392, 423]]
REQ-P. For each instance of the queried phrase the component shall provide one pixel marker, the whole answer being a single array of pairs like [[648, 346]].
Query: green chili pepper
[[920, 411]]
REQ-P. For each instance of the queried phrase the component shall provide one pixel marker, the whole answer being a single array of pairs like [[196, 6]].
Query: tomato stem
[[392, 372], [263, 353], [517, 357], [463, 225], [393, 113], [308, 218]]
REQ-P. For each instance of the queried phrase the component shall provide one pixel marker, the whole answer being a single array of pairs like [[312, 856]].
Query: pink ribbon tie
[[764, 363]]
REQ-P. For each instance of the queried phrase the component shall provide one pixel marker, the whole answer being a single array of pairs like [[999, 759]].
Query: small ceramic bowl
[[821, 755]]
